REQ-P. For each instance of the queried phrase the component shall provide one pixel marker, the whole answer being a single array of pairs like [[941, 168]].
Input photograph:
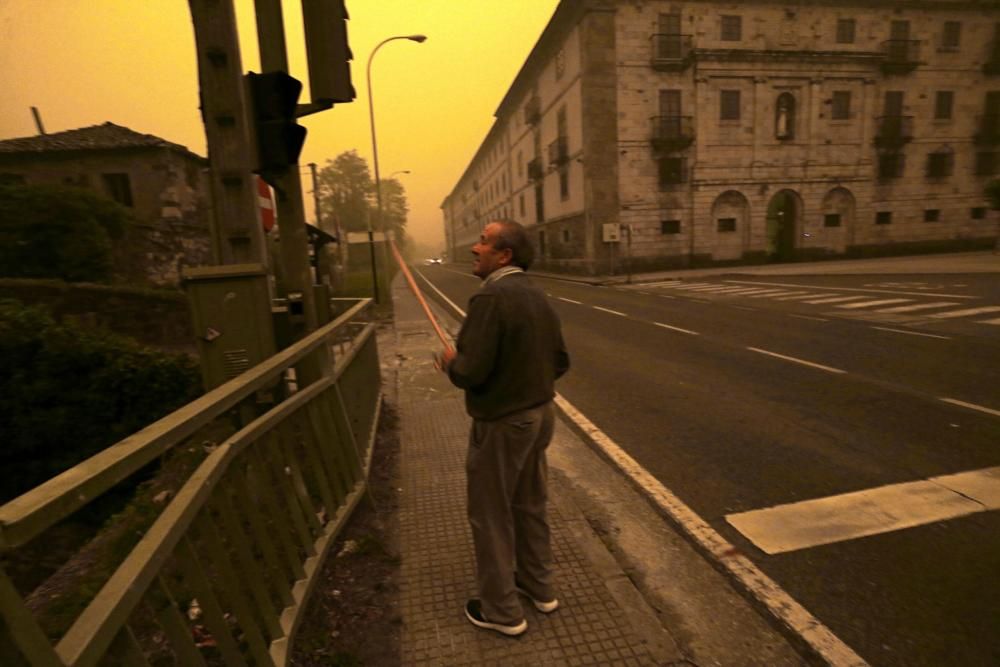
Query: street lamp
[[378, 185]]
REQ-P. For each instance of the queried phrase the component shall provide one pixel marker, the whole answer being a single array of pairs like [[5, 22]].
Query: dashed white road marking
[[965, 312], [770, 293], [874, 511], [562, 298], [836, 299], [918, 306], [673, 328], [871, 304], [608, 310], [912, 333], [796, 360], [971, 406], [808, 317]]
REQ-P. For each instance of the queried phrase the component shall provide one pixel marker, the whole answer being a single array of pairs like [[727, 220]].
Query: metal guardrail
[[246, 535]]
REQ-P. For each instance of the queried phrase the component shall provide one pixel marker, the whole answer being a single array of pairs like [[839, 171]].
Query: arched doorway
[[783, 214]]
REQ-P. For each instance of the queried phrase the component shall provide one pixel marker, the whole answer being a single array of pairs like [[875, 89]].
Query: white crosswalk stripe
[[869, 304], [965, 312], [836, 299], [915, 307], [996, 321], [799, 297], [693, 286], [770, 293]]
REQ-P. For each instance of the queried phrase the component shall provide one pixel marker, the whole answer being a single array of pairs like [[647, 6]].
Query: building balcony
[[533, 110], [671, 52], [900, 55], [672, 133], [535, 170], [987, 130], [559, 151], [893, 131]]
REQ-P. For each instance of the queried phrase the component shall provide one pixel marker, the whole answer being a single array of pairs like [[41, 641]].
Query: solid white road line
[[673, 328], [848, 516], [562, 298], [854, 289], [440, 293], [869, 304], [912, 333], [971, 406], [836, 299], [965, 313], [792, 615], [608, 310], [797, 361], [915, 307]]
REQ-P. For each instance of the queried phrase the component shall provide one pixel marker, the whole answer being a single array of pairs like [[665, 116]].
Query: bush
[[67, 392], [49, 231]]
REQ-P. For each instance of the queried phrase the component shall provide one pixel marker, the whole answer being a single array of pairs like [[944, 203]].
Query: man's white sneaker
[[544, 606], [474, 612]]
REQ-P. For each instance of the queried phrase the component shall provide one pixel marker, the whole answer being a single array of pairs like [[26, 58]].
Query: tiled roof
[[95, 137]]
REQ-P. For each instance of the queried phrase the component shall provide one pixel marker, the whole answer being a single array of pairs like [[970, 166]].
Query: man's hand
[[445, 359]]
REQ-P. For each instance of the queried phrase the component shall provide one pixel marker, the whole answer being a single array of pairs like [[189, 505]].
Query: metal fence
[[244, 539]]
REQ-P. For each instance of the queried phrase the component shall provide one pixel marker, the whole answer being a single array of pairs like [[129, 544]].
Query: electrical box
[[231, 313], [612, 232]]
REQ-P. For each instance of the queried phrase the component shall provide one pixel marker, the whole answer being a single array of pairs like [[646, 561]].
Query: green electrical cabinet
[[231, 313]]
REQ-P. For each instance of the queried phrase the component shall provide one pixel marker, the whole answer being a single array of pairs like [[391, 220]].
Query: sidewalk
[[603, 618]]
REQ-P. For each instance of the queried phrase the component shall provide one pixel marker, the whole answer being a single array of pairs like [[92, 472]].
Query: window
[[986, 163], [672, 170], [565, 236], [831, 220], [951, 36], [520, 163], [729, 105], [732, 28], [890, 165], [564, 184], [977, 213], [939, 164], [118, 188], [841, 105], [932, 214], [726, 224], [845, 31], [784, 116], [520, 204], [883, 218], [943, 101], [670, 226]]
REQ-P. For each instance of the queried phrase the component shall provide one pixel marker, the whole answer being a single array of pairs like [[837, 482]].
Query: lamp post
[[378, 184]]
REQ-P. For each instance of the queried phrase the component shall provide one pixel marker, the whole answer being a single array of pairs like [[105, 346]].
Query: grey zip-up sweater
[[510, 349]]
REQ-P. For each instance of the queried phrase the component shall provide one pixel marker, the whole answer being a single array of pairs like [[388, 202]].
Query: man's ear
[[506, 257]]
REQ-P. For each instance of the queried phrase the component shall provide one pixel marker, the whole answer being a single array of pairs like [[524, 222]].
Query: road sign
[[265, 204], [611, 232]]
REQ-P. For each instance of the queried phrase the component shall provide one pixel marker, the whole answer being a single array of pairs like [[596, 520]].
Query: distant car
[[432, 260]]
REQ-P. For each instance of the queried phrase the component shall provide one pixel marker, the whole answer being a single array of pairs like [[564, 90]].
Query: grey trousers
[[507, 479]]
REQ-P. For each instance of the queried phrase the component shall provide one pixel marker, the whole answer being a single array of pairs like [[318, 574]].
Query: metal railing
[[559, 151], [535, 169], [901, 55], [672, 132], [992, 65], [533, 110], [987, 129], [671, 51], [893, 131], [246, 535]]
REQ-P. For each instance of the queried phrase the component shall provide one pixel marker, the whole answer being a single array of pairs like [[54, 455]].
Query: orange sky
[[132, 62]]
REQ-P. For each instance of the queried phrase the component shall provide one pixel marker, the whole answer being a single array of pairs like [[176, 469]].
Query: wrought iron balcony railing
[[672, 133], [992, 65], [559, 151], [671, 51], [901, 55], [533, 110], [988, 130], [893, 131], [535, 170]]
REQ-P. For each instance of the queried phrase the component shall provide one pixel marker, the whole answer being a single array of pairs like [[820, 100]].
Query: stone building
[[163, 183], [727, 132]]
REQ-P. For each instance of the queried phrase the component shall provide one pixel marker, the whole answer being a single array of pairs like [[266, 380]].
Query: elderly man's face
[[487, 258]]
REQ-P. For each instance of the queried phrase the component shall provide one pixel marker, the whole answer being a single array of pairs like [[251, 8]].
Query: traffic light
[[277, 137], [329, 56]]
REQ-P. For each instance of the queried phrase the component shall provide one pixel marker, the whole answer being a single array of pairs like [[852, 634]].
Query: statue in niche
[[784, 122]]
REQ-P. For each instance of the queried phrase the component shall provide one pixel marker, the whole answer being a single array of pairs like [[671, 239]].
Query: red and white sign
[[265, 204]]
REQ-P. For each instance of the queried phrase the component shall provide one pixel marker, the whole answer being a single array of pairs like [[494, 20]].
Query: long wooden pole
[[420, 297]]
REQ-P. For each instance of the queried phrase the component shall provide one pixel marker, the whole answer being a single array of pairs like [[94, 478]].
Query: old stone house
[[163, 183], [707, 131]]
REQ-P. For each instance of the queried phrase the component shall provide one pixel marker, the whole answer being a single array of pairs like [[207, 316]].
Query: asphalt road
[[740, 395]]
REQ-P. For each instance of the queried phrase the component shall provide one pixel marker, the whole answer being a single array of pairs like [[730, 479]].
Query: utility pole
[[236, 236], [315, 179]]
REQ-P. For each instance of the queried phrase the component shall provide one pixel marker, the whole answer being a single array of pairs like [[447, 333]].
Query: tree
[[345, 190], [54, 231], [395, 209]]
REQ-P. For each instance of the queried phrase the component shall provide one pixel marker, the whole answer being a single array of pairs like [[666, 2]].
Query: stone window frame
[[944, 105], [731, 28], [730, 111], [725, 225], [883, 217], [831, 220], [932, 215], [840, 110], [670, 226], [951, 36], [846, 31]]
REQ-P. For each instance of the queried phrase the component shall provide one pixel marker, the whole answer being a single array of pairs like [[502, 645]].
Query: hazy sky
[[132, 62]]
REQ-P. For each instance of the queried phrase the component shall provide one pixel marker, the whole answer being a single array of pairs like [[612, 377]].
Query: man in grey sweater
[[508, 355]]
